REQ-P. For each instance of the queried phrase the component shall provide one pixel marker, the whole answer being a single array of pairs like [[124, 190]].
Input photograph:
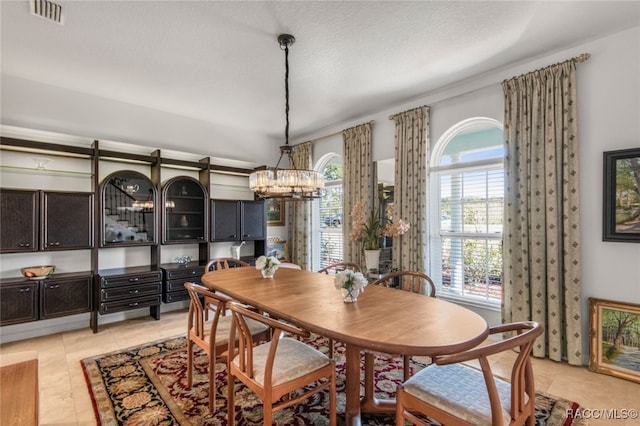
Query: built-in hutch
[[138, 204]]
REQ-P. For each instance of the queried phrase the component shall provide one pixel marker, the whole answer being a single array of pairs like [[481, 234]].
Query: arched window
[[467, 198], [330, 212]]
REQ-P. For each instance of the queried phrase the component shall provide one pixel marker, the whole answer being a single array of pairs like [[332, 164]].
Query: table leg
[[369, 403], [352, 375]]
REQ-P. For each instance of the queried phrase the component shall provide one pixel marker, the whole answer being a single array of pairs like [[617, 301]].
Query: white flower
[[350, 280], [264, 262]]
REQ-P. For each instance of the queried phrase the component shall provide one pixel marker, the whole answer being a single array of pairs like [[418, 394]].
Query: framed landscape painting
[[275, 212], [615, 339], [621, 218], [278, 249]]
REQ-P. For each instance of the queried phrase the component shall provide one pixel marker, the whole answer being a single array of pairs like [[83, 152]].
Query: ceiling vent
[[47, 9]]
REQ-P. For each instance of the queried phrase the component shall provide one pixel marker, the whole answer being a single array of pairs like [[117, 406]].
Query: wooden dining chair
[[278, 367], [212, 336], [224, 263], [289, 265], [453, 393], [415, 282], [334, 268]]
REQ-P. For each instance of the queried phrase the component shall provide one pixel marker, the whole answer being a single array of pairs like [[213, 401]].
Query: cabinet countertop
[[54, 277]]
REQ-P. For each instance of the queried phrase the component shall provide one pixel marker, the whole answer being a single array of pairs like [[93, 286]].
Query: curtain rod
[[583, 57], [392, 116], [335, 133]]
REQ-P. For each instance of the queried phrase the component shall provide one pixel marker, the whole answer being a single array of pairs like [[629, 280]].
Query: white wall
[[609, 119], [34, 105]]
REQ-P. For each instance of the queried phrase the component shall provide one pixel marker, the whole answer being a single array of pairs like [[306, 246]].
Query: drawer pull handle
[[131, 280], [134, 291], [55, 286], [24, 245], [25, 290], [134, 304]]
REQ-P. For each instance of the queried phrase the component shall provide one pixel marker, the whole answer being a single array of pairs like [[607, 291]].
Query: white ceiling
[[220, 61]]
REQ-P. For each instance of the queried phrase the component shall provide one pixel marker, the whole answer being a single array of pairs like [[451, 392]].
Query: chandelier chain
[[286, 93]]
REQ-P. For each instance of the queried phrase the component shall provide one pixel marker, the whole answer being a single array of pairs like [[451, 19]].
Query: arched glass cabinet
[[128, 201], [184, 217]]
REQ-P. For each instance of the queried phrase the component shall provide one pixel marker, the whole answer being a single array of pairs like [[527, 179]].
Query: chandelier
[[292, 183]]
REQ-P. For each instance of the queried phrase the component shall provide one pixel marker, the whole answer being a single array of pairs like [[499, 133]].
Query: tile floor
[[64, 399]]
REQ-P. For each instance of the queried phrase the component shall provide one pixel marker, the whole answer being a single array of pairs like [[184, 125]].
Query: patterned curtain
[[410, 192], [299, 214], [542, 228], [357, 182]]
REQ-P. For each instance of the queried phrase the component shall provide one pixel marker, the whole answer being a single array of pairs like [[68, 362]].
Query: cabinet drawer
[[126, 280], [175, 296], [190, 273], [130, 292], [131, 303]]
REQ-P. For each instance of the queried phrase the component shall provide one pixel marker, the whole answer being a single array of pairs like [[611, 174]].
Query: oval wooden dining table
[[383, 319]]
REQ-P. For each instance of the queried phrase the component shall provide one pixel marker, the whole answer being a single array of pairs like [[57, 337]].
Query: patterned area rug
[[147, 385]]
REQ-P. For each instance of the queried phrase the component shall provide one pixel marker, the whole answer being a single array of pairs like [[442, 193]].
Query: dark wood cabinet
[[67, 220], [253, 220], [18, 221], [128, 200], [65, 295], [238, 220], [124, 289], [185, 217], [26, 300], [174, 277], [225, 220], [18, 302]]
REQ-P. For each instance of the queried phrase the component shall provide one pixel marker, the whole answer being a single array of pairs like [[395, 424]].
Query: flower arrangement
[[370, 229], [267, 265], [350, 281]]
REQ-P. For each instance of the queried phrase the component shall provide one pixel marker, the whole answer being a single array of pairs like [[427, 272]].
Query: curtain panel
[[299, 214], [541, 267], [410, 192], [358, 184]]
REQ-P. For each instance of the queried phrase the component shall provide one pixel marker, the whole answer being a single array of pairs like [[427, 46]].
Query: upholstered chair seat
[[459, 390]]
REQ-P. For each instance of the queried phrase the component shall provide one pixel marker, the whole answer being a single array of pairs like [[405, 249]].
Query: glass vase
[[268, 273], [350, 295]]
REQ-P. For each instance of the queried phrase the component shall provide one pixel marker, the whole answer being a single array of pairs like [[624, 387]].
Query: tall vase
[[372, 259]]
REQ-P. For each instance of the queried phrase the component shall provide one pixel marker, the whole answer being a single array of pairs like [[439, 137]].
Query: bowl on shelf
[[38, 272]]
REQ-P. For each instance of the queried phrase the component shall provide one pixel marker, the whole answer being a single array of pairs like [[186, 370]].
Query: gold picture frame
[[615, 338], [275, 212], [278, 249]]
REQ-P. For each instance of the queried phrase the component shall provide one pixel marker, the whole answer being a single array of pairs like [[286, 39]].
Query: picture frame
[[279, 249], [621, 192], [275, 212], [615, 338]]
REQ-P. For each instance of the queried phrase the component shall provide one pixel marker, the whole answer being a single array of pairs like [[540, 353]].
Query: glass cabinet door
[[128, 210], [185, 210]]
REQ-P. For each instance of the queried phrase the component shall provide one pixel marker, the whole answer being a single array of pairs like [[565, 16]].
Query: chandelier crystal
[[292, 183]]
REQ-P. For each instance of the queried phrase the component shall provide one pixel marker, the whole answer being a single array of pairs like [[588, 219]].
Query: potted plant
[[368, 230]]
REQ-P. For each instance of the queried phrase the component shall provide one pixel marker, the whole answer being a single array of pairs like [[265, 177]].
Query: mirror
[[385, 170]]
